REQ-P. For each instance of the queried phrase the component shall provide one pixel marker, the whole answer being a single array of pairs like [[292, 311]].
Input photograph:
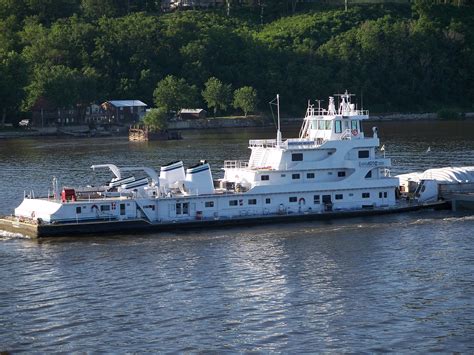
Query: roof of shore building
[[127, 103]]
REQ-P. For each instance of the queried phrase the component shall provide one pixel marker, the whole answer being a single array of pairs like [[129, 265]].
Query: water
[[400, 283]]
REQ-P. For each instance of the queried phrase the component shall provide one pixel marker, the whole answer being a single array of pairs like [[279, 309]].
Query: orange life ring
[[302, 201], [355, 132], [94, 207]]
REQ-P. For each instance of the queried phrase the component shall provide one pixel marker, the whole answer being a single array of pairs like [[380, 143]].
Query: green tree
[[246, 99], [156, 118], [173, 94], [12, 80], [62, 86], [217, 94]]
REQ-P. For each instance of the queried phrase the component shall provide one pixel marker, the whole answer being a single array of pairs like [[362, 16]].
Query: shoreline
[[239, 122]]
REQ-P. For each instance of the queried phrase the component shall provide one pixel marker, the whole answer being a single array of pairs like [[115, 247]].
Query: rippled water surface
[[396, 283]]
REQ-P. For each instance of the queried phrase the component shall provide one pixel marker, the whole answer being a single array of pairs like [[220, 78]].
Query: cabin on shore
[[192, 113], [121, 111]]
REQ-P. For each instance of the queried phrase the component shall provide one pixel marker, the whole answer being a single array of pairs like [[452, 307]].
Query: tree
[[156, 118], [246, 99], [62, 86], [13, 79], [217, 94], [173, 94]]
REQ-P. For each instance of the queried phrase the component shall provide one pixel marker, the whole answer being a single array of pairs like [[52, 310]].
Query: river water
[[400, 283]]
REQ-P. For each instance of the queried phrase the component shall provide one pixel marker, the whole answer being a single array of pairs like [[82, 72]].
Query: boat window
[[78, 210], [328, 125], [321, 124], [297, 157], [293, 199], [338, 196], [186, 208], [178, 208], [314, 124], [341, 173], [268, 201], [354, 125], [337, 126], [265, 177], [380, 195], [385, 194], [252, 201], [363, 153], [233, 203], [209, 204], [368, 175], [310, 175], [365, 194], [317, 199], [104, 208], [295, 176], [326, 198]]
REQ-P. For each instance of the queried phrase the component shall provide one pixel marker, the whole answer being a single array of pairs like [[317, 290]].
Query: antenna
[[278, 115], [278, 140]]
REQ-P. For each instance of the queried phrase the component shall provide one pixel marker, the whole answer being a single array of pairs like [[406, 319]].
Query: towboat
[[332, 169]]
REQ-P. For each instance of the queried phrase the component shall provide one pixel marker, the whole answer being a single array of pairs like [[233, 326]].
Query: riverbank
[[227, 122]]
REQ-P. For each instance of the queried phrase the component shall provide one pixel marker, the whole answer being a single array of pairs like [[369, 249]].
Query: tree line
[[398, 57]]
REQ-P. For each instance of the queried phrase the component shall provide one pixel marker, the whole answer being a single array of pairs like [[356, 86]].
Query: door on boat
[[122, 209]]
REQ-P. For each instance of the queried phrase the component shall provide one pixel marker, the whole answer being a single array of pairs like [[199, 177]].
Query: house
[[192, 113], [124, 111], [170, 5], [45, 114]]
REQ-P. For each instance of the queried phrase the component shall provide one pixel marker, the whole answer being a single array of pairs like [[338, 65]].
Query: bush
[[448, 114]]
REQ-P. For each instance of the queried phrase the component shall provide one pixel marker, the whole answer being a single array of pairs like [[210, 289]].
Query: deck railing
[[235, 164]]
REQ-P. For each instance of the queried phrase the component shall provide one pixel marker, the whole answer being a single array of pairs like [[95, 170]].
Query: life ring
[[301, 201], [355, 132], [94, 207]]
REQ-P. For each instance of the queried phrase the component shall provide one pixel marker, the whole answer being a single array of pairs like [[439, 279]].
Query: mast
[[278, 141]]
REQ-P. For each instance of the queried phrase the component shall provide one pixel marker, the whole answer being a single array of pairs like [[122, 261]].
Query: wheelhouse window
[[317, 199], [365, 194], [265, 177], [337, 126], [321, 125], [328, 125], [295, 176], [354, 125], [310, 175], [252, 201], [268, 201], [293, 199], [78, 210], [297, 157], [209, 204], [363, 153]]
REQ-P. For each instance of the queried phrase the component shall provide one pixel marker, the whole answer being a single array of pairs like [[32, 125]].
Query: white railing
[[270, 143], [235, 164]]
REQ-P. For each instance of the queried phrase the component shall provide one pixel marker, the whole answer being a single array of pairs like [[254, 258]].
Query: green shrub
[[448, 114]]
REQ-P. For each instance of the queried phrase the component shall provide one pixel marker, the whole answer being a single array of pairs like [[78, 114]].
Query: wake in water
[[4, 235]]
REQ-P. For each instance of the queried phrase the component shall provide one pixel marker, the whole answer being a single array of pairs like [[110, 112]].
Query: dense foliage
[[72, 52]]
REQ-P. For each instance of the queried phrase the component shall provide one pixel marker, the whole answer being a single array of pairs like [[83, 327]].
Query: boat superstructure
[[332, 166]]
